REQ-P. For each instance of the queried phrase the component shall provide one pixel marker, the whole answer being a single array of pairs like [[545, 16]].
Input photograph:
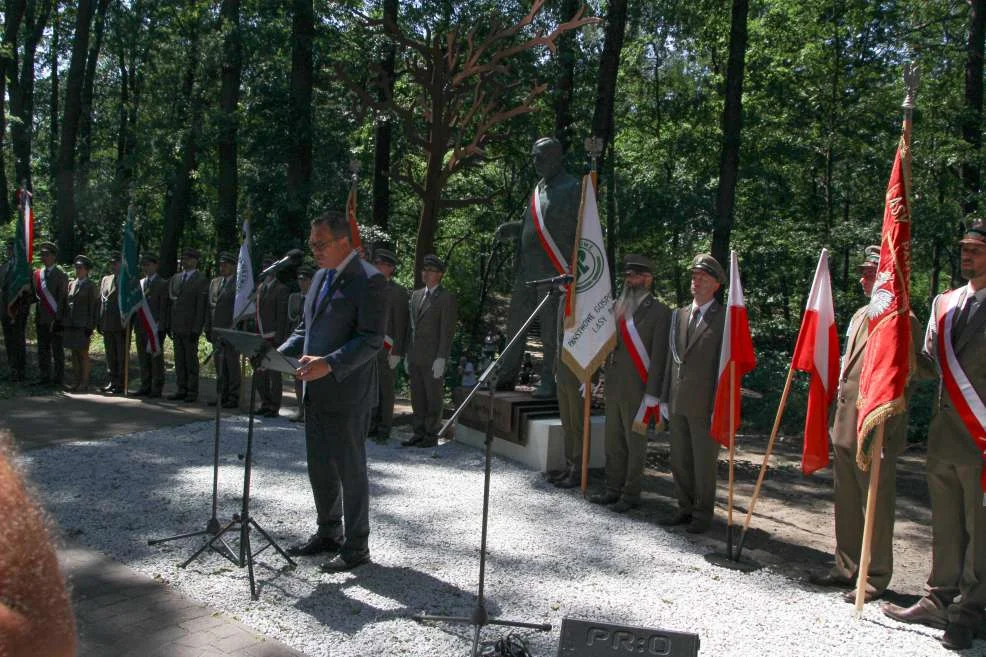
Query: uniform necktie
[[962, 319], [693, 323], [326, 284]]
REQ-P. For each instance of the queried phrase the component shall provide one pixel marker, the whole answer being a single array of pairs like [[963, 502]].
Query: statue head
[[548, 153]]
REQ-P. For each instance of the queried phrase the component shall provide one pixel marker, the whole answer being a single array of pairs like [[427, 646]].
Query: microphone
[[564, 279], [293, 258]]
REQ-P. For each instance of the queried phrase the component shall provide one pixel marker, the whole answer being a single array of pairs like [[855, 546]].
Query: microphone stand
[[212, 527], [479, 617]]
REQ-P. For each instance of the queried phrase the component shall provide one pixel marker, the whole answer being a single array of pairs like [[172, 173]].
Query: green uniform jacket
[[189, 302], [432, 326], [693, 368]]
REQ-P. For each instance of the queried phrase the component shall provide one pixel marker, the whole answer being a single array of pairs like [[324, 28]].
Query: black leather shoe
[[412, 441], [571, 480], [957, 637], [832, 579], [923, 612], [870, 595], [605, 498], [679, 518], [230, 404], [338, 564], [698, 526], [270, 412], [142, 393], [427, 441], [315, 545]]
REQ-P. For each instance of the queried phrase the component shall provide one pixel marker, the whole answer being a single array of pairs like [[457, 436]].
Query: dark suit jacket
[[83, 305], [159, 303], [109, 307], [432, 326], [398, 318], [652, 319], [189, 301], [693, 368], [272, 299], [346, 329]]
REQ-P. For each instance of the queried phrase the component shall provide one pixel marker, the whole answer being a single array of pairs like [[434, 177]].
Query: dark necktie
[[962, 319], [693, 323], [326, 284]]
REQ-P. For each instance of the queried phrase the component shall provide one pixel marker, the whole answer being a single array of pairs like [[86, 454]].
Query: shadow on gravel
[[376, 594]]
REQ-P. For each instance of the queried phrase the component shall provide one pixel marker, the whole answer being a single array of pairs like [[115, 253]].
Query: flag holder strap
[[479, 617], [212, 526]]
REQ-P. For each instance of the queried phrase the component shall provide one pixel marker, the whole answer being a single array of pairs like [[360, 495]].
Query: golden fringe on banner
[[877, 416], [585, 375]]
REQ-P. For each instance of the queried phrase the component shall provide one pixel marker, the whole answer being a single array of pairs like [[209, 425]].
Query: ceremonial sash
[[962, 394], [388, 343], [641, 362], [44, 295], [146, 319], [547, 242]]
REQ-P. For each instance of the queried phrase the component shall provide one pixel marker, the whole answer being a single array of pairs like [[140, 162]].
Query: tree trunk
[[22, 93], [602, 117], [431, 208], [53, 106], [299, 155], [732, 123], [384, 129], [178, 198], [65, 175], [11, 24], [229, 98], [88, 87], [973, 115], [565, 83]]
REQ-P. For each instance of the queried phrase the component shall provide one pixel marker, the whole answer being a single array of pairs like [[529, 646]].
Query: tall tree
[[8, 65], [732, 123], [299, 153], [65, 174], [53, 105], [565, 82], [602, 117], [229, 98], [972, 117], [383, 133], [88, 91], [22, 89]]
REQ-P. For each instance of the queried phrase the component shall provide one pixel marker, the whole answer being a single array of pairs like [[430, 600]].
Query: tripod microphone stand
[[479, 616], [257, 349], [212, 526]]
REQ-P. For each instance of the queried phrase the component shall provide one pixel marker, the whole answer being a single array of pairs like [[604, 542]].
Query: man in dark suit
[[51, 294], [956, 341], [433, 316], [111, 326], [689, 388], [189, 294], [13, 317], [395, 342], [273, 324], [634, 378], [337, 341], [222, 296], [156, 292]]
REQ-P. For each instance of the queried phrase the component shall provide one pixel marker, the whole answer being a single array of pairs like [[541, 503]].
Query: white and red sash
[[961, 393], [547, 242], [641, 362], [388, 344], [44, 294], [146, 319]]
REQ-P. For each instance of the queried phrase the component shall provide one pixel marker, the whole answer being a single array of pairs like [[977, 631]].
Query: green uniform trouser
[[626, 451], [694, 455], [570, 407], [958, 524]]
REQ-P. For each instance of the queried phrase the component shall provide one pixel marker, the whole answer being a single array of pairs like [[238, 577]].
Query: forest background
[[767, 127]]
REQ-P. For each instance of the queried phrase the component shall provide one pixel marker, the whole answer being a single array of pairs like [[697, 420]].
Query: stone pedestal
[[544, 448]]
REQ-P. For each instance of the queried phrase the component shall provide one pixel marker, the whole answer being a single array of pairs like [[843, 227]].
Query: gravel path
[[551, 554]]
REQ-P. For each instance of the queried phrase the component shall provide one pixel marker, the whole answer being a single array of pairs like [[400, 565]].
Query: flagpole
[[130, 323], [766, 457], [594, 147], [732, 454], [864, 555]]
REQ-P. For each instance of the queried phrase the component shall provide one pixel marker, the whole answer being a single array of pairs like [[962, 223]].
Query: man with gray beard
[[634, 377]]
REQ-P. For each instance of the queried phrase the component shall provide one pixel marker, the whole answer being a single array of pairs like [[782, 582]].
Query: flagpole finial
[[912, 79], [594, 147]]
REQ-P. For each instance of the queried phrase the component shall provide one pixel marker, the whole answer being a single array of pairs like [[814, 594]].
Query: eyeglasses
[[321, 245]]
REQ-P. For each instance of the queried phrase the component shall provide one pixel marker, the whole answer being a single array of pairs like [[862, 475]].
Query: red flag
[[817, 352], [737, 348], [886, 361], [351, 215]]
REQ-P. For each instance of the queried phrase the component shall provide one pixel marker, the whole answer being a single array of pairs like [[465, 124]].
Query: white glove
[[393, 361], [438, 368], [651, 400]]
